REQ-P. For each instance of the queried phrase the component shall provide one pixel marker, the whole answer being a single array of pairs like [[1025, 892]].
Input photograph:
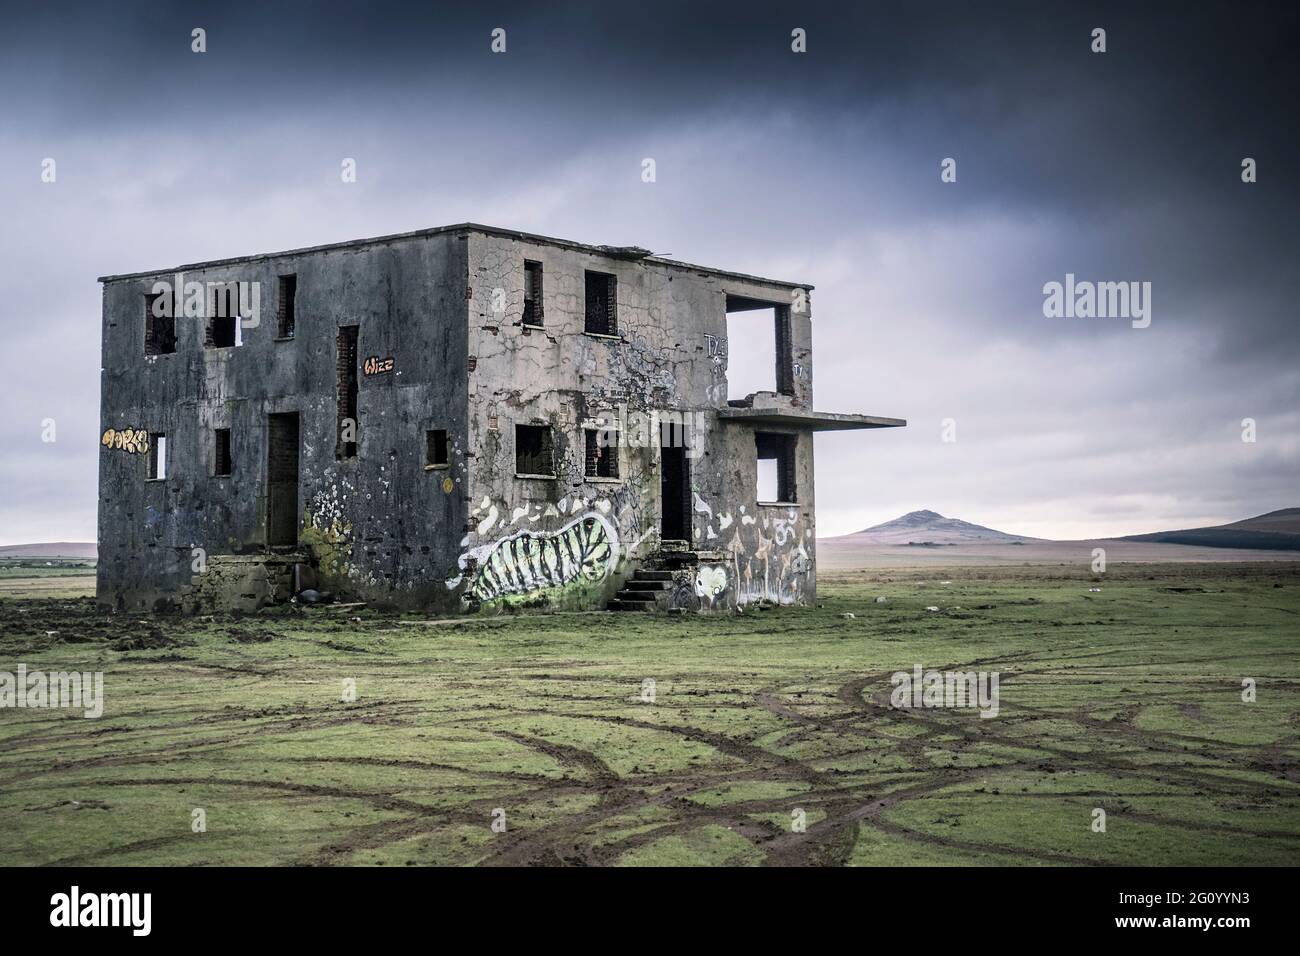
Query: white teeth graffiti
[[527, 562]]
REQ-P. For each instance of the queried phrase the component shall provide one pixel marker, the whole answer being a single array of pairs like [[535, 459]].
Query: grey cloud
[[822, 168]]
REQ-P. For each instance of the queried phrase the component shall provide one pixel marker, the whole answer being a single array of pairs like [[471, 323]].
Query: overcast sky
[[821, 167]]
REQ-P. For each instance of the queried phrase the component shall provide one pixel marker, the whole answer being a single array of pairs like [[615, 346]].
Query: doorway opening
[[282, 516], [674, 483]]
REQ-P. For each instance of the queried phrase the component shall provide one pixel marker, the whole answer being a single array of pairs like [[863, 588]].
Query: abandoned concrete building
[[455, 419]]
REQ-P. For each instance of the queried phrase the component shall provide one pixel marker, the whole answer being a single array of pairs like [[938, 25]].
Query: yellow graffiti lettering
[[130, 440]]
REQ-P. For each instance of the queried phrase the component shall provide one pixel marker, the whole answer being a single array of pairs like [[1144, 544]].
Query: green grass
[[46, 577], [1128, 700]]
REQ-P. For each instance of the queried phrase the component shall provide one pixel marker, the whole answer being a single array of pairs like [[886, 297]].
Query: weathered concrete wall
[[441, 315], [772, 545], [669, 356], [239, 582], [385, 528]]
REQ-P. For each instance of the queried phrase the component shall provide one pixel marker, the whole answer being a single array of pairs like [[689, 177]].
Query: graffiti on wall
[[769, 551], [717, 351], [777, 567], [375, 365], [710, 582], [130, 440], [531, 562]]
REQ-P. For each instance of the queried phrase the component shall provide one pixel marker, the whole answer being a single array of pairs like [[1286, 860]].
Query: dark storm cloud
[[821, 167]]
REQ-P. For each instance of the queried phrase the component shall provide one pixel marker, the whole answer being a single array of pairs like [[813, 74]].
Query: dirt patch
[[239, 635], [154, 640], [69, 805]]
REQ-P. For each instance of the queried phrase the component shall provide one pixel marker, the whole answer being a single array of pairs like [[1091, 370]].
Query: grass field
[[46, 577], [1128, 699]]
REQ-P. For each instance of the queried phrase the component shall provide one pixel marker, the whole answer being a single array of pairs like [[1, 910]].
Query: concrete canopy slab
[[806, 420]]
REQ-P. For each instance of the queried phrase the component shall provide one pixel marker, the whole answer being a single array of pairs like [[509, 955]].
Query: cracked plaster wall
[[669, 355]]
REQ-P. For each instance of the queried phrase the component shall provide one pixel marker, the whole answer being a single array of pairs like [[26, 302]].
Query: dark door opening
[[282, 480], [674, 484]]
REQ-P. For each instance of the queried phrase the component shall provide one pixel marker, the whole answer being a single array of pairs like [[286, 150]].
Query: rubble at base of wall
[[240, 582]]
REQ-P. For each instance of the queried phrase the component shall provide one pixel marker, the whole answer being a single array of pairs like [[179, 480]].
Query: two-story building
[[455, 418]]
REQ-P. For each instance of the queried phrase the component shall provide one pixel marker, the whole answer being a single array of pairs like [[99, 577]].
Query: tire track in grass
[[852, 695], [377, 800], [601, 778], [556, 843], [788, 849], [187, 749]]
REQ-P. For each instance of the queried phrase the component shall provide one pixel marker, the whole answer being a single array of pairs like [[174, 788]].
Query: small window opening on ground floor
[[221, 463], [435, 448], [776, 467]]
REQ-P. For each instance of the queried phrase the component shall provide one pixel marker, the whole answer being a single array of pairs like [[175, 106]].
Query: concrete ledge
[[806, 420]]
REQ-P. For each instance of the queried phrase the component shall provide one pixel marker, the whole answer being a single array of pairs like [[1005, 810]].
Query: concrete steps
[[650, 588], [645, 590]]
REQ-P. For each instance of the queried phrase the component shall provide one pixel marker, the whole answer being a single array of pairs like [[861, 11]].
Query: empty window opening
[[760, 354], [435, 448], [533, 451], [784, 351], [221, 464], [776, 463], [159, 324], [602, 304], [223, 332], [602, 453], [346, 370], [222, 305], [284, 315], [533, 293], [157, 456]]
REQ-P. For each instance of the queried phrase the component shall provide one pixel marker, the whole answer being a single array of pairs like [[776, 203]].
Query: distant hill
[[1275, 531], [928, 527], [1288, 519], [51, 549], [939, 542]]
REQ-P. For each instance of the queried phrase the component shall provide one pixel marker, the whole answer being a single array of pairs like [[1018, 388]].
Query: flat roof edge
[[465, 227]]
